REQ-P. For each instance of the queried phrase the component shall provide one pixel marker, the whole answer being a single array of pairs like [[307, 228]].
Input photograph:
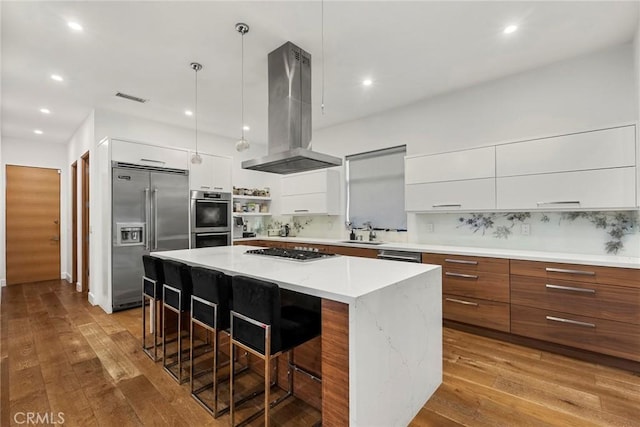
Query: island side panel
[[396, 351], [335, 363]]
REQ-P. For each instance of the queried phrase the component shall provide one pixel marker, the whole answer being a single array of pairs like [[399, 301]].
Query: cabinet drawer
[[629, 277], [489, 286], [602, 336], [488, 314], [587, 299], [451, 196], [468, 263]]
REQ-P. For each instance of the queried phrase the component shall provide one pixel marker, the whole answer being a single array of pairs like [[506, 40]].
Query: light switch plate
[[525, 229]]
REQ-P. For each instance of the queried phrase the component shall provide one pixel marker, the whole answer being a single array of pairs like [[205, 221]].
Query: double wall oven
[[210, 219]]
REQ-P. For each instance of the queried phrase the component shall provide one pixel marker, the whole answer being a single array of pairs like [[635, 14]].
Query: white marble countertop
[[569, 258], [339, 278]]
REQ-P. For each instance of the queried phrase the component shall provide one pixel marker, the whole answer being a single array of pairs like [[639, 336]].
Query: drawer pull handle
[[572, 322], [301, 210], [152, 161], [447, 205], [464, 276], [564, 270], [460, 261], [459, 301], [570, 288], [205, 187], [560, 202]]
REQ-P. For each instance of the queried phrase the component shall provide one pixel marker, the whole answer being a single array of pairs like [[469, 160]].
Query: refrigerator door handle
[[155, 218], [147, 207]]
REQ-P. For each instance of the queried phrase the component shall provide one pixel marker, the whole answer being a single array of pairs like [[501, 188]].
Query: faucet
[[369, 227]]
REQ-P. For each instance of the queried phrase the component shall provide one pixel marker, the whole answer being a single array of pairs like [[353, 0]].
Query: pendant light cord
[[322, 38], [242, 86], [196, 110]]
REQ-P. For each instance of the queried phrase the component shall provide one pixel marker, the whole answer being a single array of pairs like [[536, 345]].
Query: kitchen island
[[381, 328]]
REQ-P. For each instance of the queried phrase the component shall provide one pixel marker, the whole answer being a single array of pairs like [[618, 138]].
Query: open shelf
[[251, 213]]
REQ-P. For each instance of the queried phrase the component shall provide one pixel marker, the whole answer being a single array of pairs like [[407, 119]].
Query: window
[[375, 188]]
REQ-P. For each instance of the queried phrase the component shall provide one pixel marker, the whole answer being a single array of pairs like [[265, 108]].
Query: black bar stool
[[176, 297], [261, 326], [210, 305], [152, 282]]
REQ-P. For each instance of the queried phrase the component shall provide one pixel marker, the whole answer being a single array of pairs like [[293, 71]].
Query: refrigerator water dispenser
[[130, 233]]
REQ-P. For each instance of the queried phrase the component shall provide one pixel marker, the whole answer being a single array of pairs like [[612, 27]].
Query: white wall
[[42, 155], [582, 93]]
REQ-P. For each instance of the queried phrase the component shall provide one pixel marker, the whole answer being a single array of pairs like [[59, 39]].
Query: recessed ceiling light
[[188, 113], [45, 111], [367, 82], [74, 26], [510, 29], [245, 127], [57, 77], [37, 132]]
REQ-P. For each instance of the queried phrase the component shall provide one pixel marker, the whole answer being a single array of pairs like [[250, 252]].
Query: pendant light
[[242, 144], [196, 158]]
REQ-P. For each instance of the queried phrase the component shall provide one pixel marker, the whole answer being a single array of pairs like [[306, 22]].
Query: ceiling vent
[[131, 97]]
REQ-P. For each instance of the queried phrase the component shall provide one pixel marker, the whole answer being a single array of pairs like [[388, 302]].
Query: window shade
[[375, 188]]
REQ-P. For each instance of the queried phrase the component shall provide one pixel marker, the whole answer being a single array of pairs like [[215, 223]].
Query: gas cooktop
[[292, 254]]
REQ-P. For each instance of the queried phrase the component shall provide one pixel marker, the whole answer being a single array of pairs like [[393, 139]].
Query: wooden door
[[33, 224]]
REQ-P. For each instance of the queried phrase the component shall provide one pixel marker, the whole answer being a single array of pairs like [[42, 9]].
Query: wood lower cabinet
[[601, 336], [587, 307], [478, 312], [475, 290]]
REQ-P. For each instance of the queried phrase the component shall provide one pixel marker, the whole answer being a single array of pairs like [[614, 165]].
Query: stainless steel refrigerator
[[150, 212]]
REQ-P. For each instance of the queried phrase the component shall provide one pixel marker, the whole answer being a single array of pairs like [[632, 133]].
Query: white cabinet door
[[148, 155], [594, 189], [458, 165], [476, 194], [305, 204], [213, 174], [201, 175], [306, 182], [609, 148], [221, 168]]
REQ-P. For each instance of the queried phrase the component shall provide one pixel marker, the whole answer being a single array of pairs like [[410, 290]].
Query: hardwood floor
[[59, 354]]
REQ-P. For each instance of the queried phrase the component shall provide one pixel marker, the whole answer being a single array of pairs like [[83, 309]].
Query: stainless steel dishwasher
[[404, 256]]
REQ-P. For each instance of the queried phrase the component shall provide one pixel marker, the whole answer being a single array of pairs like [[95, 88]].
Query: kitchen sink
[[361, 242]]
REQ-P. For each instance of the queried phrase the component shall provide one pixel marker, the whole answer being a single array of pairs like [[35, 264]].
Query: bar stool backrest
[[215, 287], [153, 270], [258, 300], [177, 275]]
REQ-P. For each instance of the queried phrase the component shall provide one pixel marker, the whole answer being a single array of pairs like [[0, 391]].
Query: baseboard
[[66, 276], [78, 287], [3, 282], [92, 299]]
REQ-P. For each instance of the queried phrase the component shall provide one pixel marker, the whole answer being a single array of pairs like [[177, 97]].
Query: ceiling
[[411, 50]]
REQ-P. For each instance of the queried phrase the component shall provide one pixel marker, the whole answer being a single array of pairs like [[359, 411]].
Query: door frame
[[85, 222], [74, 223]]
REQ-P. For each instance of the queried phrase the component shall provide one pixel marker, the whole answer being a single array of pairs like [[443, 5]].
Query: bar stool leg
[[231, 378], [267, 376], [215, 372]]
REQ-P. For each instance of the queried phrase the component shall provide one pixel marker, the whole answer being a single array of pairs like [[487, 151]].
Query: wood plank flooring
[[59, 354]]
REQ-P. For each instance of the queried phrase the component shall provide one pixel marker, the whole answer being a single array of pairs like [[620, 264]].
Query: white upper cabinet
[[608, 148], [613, 188], [461, 180], [148, 155], [315, 192], [454, 166], [213, 174], [585, 171]]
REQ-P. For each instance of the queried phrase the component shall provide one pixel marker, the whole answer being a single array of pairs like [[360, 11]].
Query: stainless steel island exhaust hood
[[290, 116]]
